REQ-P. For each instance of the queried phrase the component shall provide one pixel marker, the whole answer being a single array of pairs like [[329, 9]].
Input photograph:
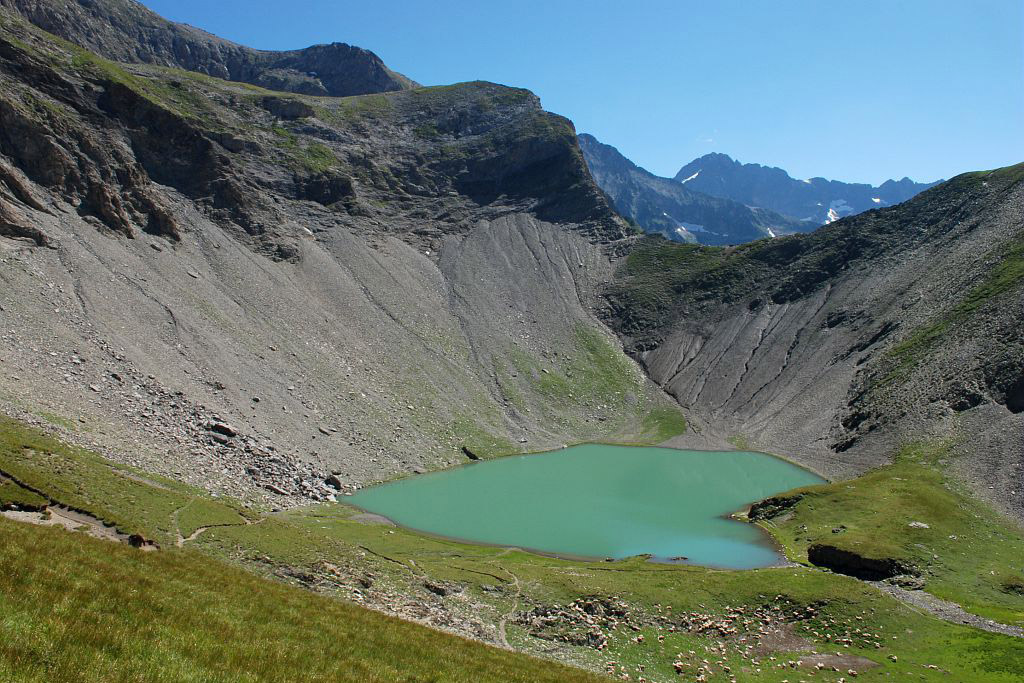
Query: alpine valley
[[237, 286]]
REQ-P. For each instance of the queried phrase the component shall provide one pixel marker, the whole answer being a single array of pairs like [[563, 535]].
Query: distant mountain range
[[817, 200], [664, 206], [717, 200]]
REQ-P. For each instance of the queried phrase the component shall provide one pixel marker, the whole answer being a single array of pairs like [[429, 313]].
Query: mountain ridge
[[817, 200], [660, 205], [127, 31], [244, 256], [877, 328]]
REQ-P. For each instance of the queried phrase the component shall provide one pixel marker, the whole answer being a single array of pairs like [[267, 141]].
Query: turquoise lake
[[598, 501]]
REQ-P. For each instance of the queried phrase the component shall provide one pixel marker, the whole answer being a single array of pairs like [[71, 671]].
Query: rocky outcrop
[[126, 31], [854, 564], [770, 508]]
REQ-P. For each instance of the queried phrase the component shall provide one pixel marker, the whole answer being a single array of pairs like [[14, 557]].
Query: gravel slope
[[835, 347], [252, 292]]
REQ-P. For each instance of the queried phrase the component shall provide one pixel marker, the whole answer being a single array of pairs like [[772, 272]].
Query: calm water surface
[[599, 501]]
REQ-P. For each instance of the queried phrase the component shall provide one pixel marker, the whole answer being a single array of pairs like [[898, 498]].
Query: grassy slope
[[94, 598], [17, 496], [590, 378], [305, 537], [77, 609], [133, 501], [968, 553], [1005, 276]]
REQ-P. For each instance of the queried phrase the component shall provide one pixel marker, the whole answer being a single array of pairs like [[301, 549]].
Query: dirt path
[[181, 539], [945, 610], [72, 520], [502, 638]]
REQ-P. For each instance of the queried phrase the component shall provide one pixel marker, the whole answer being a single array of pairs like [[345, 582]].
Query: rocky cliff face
[[126, 31], [663, 206], [815, 200], [249, 289], [894, 325]]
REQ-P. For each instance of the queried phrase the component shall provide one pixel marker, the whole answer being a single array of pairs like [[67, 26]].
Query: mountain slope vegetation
[[94, 597], [127, 616]]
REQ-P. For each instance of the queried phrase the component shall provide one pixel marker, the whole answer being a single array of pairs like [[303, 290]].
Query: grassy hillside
[[157, 508], [912, 513], [78, 609], [96, 609]]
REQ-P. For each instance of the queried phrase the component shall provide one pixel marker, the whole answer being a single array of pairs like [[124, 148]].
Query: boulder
[[287, 108], [856, 565], [223, 428]]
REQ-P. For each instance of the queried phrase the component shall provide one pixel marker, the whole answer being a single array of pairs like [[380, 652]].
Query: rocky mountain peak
[[127, 31], [815, 200], [673, 209]]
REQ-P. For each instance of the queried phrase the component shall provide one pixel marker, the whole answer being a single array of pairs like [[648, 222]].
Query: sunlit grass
[[77, 609], [968, 553]]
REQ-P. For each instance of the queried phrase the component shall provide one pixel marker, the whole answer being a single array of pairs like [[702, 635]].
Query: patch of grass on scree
[[133, 501]]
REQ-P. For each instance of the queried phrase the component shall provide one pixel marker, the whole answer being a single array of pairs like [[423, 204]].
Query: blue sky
[[857, 91]]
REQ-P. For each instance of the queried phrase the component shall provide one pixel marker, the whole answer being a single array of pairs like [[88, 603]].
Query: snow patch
[[838, 209], [770, 233], [876, 200], [691, 177], [681, 231]]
